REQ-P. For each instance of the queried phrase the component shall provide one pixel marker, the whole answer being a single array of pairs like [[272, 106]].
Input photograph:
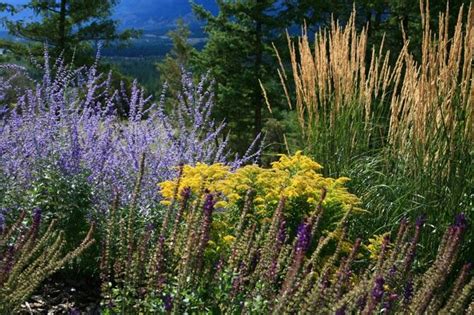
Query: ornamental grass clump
[[341, 87], [192, 261], [402, 131], [432, 110], [30, 253], [350, 100]]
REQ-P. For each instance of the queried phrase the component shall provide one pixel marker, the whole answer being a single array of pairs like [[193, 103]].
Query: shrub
[[297, 178], [67, 199], [71, 118], [28, 255]]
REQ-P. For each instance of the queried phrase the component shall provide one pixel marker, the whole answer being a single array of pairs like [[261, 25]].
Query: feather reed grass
[[431, 120], [402, 131], [340, 90]]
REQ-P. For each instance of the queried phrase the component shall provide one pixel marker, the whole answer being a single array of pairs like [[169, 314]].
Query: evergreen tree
[[66, 26], [177, 59], [239, 56], [316, 13], [391, 19]]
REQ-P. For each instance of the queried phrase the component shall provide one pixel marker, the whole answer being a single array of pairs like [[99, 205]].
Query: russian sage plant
[[71, 119]]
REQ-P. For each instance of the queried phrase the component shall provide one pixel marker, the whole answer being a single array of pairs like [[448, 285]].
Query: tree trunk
[[62, 26], [258, 97]]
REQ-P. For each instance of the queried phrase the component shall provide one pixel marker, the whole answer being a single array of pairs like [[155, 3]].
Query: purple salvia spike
[[303, 237], [389, 302], [168, 302], [460, 221], [361, 302], [376, 295], [408, 291], [341, 311]]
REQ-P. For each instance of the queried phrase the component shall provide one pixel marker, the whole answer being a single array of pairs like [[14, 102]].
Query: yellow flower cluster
[[375, 245], [296, 177], [198, 178]]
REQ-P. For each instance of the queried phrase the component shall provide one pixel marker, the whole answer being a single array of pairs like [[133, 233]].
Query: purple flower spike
[[281, 232], [361, 302], [255, 260], [36, 217], [36, 222], [408, 292], [9, 259], [186, 193], [468, 266], [74, 311], [387, 305], [209, 205], [460, 221], [392, 271], [325, 283], [208, 208], [168, 302], [2, 222], [378, 290], [303, 237], [150, 227], [420, 221], [341, 311]]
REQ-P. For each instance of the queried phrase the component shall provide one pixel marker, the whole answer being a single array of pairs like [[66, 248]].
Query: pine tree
[[388, 19], [239, 56], [66, 26], [177, 60]]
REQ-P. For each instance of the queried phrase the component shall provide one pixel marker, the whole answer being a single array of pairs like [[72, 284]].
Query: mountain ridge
[[148, 15], [157, 14]]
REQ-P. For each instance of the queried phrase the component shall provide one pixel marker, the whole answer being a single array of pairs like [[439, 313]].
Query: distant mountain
[[157, 14], [149, 15]]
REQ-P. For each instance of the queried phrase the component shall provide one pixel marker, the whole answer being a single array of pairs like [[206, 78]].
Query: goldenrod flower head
[[229, 239], [375, 245], [295, 177]]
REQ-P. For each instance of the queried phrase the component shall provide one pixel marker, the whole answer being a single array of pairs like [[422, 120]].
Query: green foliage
[[177, 60], [390, 196], [136, 67], [238, 56], [68, 200], [69, 26]]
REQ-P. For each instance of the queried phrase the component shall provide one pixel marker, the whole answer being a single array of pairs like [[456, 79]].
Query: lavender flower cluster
[[70, 119]]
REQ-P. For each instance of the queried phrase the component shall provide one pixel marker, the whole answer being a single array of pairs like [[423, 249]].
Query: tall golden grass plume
[[432, 107], [343, 89], [333, 77]]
